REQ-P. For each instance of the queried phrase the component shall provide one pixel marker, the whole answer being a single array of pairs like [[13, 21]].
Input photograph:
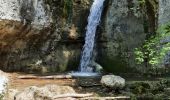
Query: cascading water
[[93, 21]]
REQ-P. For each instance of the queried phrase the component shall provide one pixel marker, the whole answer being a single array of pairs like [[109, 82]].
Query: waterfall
[[85, 68], [93, 21]]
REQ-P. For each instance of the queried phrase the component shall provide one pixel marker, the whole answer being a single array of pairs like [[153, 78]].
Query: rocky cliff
[[41, 35], [123, 31], [126, 24], [47, 35]]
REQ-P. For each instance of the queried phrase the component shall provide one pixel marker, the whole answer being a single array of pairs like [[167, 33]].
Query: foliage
[[155, 49], [67, 10], [142, 2]]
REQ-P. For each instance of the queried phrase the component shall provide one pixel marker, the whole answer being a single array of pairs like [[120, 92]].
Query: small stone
[[113, 81]]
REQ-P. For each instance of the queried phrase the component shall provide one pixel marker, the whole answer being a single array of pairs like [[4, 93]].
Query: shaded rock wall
[[123, 31], [41, 35]]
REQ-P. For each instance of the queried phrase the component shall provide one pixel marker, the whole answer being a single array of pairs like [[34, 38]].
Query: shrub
[[154, 50]]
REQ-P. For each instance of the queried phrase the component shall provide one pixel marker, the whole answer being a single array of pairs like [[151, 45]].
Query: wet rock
[[113, 81], [97, 67], [43, 93]]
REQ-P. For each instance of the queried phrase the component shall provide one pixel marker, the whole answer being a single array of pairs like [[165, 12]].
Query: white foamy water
[[84, 74], [93, 21]]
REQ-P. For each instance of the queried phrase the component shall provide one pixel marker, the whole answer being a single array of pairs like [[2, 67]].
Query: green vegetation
[[142, 2], [67, 10], [155, 49]]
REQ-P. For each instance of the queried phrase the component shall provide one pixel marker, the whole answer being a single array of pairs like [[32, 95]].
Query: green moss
[[115, 65], [62, 67], [67, 10]]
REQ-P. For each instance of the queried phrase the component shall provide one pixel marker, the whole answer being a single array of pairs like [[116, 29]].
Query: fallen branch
[[105, 98], [72, 95], [46, 77], [28, 77], [92, 85]]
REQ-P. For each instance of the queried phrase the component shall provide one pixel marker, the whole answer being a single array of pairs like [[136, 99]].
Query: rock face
[[164, 18], [41, 30], [43, 93], [164, 15], [113, 82], [123, 31], [97, 68]]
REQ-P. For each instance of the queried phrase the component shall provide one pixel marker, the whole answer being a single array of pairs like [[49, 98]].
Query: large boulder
[[43, 93], [113, 81]]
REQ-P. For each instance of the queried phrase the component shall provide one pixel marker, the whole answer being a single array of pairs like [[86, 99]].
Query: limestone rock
[[113, 81], [119, 35], [164, 19], [34, 29], [3, 84], [11, 94], [164, 15], [43, 93]]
